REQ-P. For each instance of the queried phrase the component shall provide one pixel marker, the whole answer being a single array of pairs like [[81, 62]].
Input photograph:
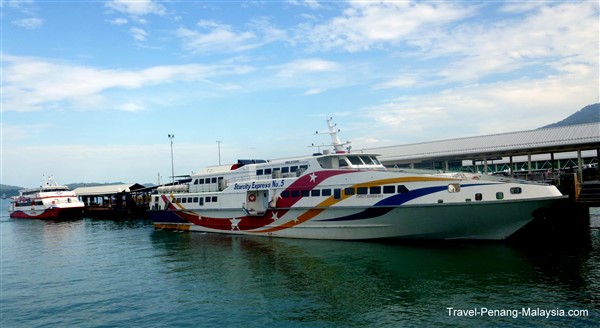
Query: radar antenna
[[338, 146]]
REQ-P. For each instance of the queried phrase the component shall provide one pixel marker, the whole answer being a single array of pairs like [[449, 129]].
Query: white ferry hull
[[479, 221]]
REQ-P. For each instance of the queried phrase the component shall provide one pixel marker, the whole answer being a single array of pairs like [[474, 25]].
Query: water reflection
[[358, 283]]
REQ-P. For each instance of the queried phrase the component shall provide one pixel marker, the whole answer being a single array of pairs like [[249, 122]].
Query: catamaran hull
[[478, 221]]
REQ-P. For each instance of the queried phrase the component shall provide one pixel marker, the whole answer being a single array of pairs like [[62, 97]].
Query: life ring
[[252, 198]]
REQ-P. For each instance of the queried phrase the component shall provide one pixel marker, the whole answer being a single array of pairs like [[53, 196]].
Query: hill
[[588, 114], [9, 190]]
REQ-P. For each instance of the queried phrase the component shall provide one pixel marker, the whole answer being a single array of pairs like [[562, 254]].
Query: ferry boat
[[342, 195], [49, 201]]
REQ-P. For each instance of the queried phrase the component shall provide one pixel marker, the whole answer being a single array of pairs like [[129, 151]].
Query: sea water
[[102, 273]]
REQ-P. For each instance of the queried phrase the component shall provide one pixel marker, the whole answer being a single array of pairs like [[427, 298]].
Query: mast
[[338, 146]]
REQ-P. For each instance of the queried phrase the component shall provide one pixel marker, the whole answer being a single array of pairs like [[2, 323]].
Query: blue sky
[[91, 89]]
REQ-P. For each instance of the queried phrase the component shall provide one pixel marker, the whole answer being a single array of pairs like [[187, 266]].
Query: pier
[[114, 201]]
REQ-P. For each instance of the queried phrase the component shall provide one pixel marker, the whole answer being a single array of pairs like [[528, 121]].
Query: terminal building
[[539, 154]]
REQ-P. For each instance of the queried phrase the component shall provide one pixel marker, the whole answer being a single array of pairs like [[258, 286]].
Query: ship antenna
[[338, 146]]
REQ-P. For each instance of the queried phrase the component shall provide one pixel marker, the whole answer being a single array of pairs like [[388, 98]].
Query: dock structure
[[114, 201], [541, 154]]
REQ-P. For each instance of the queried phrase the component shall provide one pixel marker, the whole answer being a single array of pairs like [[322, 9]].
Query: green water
[[91, 273]]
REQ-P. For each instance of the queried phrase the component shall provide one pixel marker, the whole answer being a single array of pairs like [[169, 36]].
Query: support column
[[529, 163], [485, 166], [579, 166], [511, 166]]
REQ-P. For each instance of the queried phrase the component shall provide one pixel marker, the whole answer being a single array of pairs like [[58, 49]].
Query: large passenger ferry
[[49, 201], [347, 196]]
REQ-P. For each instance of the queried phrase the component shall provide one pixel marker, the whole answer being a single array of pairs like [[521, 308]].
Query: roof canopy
[[549, 140], [107, 189]]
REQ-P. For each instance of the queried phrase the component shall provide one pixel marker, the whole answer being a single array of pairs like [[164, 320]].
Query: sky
[[92, 89]]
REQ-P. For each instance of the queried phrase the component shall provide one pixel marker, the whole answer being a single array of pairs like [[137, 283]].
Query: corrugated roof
[[565, 138], [107, 189]]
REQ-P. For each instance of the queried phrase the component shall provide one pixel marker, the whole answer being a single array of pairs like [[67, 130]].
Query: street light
[[171, 136], [219, 145]]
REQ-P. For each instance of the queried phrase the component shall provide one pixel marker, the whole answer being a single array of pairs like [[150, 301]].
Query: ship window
[[267, 171], [195, 200], [190, 200], [207, 199], [355, 160], [184, 200], [349, 191], [362, 190], [295, 193], [516, 190], [305, 193], [214, 199], [478, 196], [285, 194], [337, 193], [367, 160], [213, 180], [178, 200], [376, 190], [304, 167], [207, 180], [315, 192], [201, 201], [389, 189], [285, 170], [196, 181], [454, 187], [201, 181], [499, 195], [293, 169], [402, 188], [259, 172], [343, 162], [326, 192]]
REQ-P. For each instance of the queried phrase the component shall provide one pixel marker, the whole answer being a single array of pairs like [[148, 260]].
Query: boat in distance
[[50, 201], [342, 195]]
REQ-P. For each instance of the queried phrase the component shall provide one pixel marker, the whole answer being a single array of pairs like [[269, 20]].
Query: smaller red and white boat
[[49, 201]]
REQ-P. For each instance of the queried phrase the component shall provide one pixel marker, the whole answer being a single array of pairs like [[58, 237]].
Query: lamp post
[[219, 146], [171, 136]]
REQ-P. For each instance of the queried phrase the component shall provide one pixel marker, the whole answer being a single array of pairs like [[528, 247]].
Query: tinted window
[[349, 191], [326, 192], [362, 190], [402, 189], [315, 192], [389, 189], [375, 190]]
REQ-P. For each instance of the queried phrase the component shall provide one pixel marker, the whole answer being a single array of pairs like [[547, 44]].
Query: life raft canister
[[252, 198]]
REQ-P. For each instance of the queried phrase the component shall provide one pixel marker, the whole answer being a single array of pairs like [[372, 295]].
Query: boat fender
[[252, 198]]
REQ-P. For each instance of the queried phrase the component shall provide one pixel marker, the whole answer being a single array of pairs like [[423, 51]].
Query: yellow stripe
[[330, 201]]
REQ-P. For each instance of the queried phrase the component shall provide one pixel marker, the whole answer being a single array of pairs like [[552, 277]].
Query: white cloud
[[139, 34], [118, 21], [137, 7], [549, 38], [311, 65], [218, 38], [484, 108], [367, 25], [29, 23], [32, 84]]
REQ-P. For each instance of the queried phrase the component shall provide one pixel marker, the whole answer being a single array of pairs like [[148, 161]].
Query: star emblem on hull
[[313, 177]]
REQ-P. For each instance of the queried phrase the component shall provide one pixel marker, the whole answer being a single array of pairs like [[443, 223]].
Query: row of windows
[[194, 200], [208, 180], [285, 169], [375, 190]]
